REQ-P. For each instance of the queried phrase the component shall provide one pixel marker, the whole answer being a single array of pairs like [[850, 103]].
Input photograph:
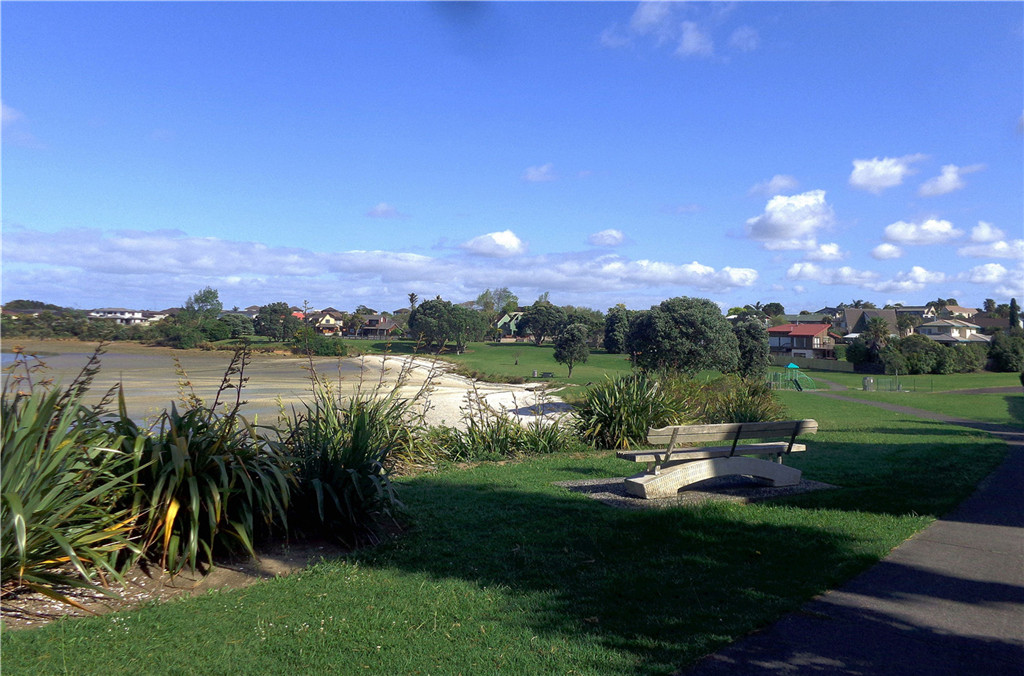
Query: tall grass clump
[[617, 413], [207, 481], [729, 398], [60, 525]]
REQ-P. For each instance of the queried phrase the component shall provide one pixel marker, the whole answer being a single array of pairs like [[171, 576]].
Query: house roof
[[960, 310], [800, 329], [951, 322]]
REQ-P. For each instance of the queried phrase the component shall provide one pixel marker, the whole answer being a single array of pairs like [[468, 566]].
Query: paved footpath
[[948, 601]]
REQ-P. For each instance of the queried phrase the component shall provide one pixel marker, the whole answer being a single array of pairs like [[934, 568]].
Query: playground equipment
[[791, 379]]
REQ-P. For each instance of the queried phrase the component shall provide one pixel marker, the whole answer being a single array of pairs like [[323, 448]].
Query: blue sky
[[352, 153]]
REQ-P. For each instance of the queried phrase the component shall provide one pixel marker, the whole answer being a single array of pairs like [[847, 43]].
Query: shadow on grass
[[666, 586]]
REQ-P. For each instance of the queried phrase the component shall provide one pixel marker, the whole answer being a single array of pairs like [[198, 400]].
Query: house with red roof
[[811, 341]]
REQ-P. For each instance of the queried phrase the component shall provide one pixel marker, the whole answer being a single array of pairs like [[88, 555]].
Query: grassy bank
[[501, 571]]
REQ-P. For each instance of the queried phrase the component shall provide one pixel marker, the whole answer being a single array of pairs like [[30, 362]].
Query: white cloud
[[652, 18], [496, 244], [830, 276], [886, 251], [986, 232], [932, 231], [826, 252], [694, 41], [949, 180], [385, 210], [1013, 248], [791, 222], [776, 185], [158, 269], [745, 39], [609, 237], [545, 172], [915, 280], [875, 175], [990, 273], [9, 115]]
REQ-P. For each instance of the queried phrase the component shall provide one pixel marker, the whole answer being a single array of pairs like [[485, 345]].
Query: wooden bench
[[681, 464]]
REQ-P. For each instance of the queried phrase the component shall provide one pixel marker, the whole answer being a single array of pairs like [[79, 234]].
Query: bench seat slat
[[657, 455], [689, 434]]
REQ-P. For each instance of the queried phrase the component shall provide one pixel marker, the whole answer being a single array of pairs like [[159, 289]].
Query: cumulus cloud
[[496, 244], [826, 252], [745, 39], [385, 210], [986, 232], [886, 251], [932, 231], [545, 172], [776, 185], [9, 115], [158, 269], [830, 276], [949, 180], [609, 237], [694, 41], [875, 175], [915, 280], [989, 273], [791, 222], [1013, 249]]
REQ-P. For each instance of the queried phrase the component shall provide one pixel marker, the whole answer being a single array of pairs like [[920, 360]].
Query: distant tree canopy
[[685, 335], [571, 345], [432, 323], [592, 319], [616, 326], [774, 309], [276, 322], [542, 319], [22, 304], [752, 340]]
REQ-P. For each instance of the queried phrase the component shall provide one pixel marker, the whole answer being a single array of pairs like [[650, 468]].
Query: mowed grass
[[922, 383], [1001, 409], [501, 571]]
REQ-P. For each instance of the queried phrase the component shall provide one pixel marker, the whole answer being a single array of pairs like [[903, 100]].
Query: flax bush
[[617, 413]]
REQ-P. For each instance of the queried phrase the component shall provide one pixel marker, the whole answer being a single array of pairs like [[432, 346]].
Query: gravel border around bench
[[612, 491]]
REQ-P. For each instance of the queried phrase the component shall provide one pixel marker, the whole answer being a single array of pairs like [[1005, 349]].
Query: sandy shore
[[152, 380]]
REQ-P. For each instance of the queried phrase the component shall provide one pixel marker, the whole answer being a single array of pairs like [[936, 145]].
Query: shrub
[[207, 481], [617, 413], [732, 399], [58, 481], [341, 455]]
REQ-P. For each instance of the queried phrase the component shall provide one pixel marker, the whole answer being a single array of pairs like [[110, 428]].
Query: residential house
[[809, 318], [952, 331], [990, 325], [924, 312], [327, 322], [855, 321], [812, 341], [376, 326], [508, 325], [120, 315], [833, 313], [958, 311]]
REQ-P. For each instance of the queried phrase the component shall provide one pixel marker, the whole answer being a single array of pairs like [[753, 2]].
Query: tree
[[616, 326], [906, 322], [542, 319], [685, 335], [467, 325], [592, 319], [363, 310], [413, 299], [238, 325], [877, 332], [571, 345], [204, 304], [1007, 351], [276, 322], [754, 354], [774, 309], [485, 301], [1014, 314], [989, 307], [433, 323]]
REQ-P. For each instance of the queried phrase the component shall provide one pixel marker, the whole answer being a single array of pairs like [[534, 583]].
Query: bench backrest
[[733, 432]]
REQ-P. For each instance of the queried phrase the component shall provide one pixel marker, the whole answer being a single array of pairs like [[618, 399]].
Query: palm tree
[[877, 332]]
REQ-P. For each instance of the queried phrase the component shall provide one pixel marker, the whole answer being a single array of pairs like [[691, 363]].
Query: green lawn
[[924, 383], [1002, 409], [503, 572]]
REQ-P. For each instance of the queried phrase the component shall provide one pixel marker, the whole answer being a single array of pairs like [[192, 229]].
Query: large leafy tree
[[542, 319], [616, 326], [754, 355], [571, 345], [433, 323], [277, 322], [773, 309], [685, 335], [467, 325], [590, 318]]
